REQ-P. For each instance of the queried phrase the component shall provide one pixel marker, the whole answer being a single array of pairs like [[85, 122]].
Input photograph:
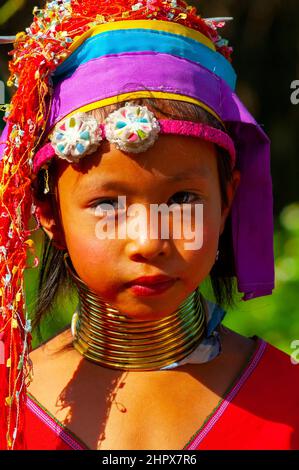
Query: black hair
[[54, 279]]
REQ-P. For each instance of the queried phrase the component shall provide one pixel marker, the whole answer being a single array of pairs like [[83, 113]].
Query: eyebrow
[[95, 183]]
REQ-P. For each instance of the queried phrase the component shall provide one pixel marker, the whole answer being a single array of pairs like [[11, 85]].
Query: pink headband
[[132, 128]]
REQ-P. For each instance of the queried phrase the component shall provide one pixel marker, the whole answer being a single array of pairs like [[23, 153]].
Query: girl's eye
[[183, 197], [106, 206]]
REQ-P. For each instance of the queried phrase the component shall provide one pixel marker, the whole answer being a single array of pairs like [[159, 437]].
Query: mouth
[[151, 285]]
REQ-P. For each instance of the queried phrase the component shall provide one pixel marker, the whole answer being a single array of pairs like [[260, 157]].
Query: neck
[[112, 339]]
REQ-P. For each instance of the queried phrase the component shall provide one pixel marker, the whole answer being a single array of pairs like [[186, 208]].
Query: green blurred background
[[265, 37]]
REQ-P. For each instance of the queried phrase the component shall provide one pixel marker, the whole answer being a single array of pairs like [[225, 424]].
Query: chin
[[147, 316], [148, 312]]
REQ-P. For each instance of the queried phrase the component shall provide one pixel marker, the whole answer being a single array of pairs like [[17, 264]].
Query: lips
[[150, 280], [151, 285]]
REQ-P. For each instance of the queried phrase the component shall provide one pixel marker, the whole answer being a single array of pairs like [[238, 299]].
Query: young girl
[[121, 108]]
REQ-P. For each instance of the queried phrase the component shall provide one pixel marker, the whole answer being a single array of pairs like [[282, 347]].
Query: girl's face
[[176, 170]]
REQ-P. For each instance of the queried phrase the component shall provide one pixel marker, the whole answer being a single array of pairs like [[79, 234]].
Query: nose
[[148, 249], [147, 244]]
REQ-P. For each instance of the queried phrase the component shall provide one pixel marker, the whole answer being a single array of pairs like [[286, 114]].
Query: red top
[[259, 411]]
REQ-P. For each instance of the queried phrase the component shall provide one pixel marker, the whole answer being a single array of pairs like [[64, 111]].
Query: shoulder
[[262, 405], [52, 363], [268, 394], [272, 372], [268, 376], [278, 374], [267, 359], [53, 348]]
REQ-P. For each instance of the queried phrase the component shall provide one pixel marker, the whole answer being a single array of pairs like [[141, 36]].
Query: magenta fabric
[[202, 131], [42, 156], [3, 138]]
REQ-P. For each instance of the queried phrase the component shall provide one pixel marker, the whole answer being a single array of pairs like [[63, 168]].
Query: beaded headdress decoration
[[146, 48]]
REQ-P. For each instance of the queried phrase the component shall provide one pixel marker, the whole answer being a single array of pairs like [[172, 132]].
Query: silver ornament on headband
[[76, 136], [132, 128]]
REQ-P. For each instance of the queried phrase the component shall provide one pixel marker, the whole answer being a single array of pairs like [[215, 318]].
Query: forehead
[[171, 157]]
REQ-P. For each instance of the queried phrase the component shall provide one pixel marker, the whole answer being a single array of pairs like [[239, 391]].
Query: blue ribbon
[[140, 40]]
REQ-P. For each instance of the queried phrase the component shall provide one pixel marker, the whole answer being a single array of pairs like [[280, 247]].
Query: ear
[[50, 223], [231, 190]]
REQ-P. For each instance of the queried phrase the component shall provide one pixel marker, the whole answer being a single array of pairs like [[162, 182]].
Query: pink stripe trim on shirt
[[231, 395], [53, 425]]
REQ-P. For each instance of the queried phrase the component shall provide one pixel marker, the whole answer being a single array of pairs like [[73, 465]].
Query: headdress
[[152, 48]]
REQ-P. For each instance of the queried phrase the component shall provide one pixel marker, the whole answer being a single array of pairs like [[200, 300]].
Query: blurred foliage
[[264, 35], [9, 9]]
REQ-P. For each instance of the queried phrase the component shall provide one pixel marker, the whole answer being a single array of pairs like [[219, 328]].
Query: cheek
[[96, 263], [94, 260], [202, 259]]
